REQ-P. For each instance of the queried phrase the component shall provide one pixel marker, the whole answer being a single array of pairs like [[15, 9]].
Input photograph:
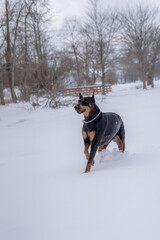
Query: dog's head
[[85, 105]]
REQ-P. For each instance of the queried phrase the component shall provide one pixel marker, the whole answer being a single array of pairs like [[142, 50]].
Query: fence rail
[[87, 90]]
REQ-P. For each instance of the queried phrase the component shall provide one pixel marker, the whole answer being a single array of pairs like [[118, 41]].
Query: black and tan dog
[[99, 129]]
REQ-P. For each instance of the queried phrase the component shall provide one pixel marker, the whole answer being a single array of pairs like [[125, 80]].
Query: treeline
[[108, 46]]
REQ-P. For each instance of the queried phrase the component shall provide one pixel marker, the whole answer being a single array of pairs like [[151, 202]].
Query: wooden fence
[[87, 90]]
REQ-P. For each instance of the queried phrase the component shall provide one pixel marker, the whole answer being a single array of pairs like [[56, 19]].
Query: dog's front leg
[[94, 148]]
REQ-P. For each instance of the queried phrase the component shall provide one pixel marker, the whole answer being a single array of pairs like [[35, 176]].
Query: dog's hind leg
[[119, 142], [103, 147], [120, 138], [121, 134]]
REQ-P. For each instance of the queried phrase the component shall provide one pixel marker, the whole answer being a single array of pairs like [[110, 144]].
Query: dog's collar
[[93, 118]]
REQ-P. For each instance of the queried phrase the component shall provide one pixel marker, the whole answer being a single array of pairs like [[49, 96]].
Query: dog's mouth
[[79, 110]]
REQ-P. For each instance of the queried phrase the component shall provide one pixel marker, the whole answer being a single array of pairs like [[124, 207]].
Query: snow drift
[[45, 196]]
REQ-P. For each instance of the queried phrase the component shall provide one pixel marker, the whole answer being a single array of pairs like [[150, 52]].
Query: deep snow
[[45, 196]]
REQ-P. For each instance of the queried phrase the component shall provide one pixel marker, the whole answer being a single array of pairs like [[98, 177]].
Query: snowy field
[[45, 196]]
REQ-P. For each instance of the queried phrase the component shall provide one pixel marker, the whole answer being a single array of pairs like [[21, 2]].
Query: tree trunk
[[150, 75], [8, 56], [102, 64], [143, 71], [26, 63], [152, 83], [103, 84], [1, 92], [103, 78], [149, 80], [26, 97], [77, 64], [144, 82]]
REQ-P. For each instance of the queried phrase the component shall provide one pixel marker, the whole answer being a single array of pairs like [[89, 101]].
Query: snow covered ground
[[45, 196]]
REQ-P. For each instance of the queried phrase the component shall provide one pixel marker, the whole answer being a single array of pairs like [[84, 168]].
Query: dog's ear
[[80, 96], [93, 100]]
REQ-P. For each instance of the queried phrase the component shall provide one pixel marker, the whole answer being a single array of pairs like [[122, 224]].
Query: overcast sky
[[71, 8]]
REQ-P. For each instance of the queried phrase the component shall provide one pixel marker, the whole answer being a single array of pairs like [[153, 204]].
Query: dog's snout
[[76, 107]]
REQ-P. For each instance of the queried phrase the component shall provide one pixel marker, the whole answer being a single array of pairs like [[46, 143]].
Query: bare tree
[[72, 38], [17, 17], [1, 83], [128, 67], [153, 54], [1, 63], [8, 51], [12, 16], [40, 17], [141, 36], [101, 28], [27, 12], [89, 61]]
